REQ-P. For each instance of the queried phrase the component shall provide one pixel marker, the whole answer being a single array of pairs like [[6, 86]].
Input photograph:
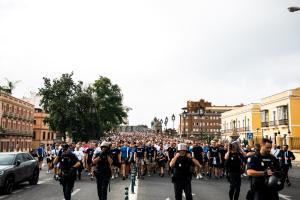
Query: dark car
[[17, 167]]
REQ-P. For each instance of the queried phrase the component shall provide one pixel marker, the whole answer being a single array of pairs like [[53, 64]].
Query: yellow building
[[41, 132], [280, 118], [243, 123]]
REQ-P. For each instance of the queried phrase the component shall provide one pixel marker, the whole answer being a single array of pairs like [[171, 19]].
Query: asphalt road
[[152, 188]]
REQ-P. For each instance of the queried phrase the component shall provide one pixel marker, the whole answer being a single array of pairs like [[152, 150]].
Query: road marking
[[285, 197], [2, 197], [168, 198], [183, 194], [74, 192]]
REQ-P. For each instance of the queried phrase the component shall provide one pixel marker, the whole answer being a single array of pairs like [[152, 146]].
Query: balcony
[[273, 123], [265, 124], [283, 122]]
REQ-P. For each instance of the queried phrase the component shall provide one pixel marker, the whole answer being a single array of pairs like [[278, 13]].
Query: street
[[151, 188]]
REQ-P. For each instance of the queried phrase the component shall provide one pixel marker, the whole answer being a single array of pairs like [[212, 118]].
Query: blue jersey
[[132, 151], [125, 152], [205, 150]]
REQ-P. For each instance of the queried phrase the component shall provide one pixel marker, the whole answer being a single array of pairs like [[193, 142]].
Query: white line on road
[[74, 192], [285, 197]]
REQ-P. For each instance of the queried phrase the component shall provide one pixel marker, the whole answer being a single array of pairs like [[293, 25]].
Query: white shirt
[[79, 154], [55, 152], [97, 150]]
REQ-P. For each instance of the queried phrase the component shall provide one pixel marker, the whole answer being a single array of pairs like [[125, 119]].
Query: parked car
[[17, 167]]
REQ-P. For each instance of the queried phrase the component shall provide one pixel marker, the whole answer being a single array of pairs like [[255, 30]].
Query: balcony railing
[[283, 122], [265, 124], [273, 123]]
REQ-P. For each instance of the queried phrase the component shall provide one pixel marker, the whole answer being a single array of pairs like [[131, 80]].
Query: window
[[44, 135], [34, 122], [48, 136], [282, 112], [34, 135]]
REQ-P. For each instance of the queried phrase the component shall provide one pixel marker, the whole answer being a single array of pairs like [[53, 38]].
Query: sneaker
[[197, 177], [113, 177], [289, 184], [124, 178], [245, 175], [200, 176]]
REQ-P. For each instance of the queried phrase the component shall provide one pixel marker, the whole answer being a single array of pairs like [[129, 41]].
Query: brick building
[[200, 119], [16, 123]]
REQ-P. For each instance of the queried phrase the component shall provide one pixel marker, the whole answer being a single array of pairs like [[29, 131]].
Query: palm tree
[[11, 85]]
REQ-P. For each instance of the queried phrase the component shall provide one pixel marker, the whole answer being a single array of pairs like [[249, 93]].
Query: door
[[19, 173]]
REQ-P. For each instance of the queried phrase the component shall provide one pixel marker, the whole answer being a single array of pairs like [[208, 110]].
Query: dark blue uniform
[[68, 173], [261, 163]]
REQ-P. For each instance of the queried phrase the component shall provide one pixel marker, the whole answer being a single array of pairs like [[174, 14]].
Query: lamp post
[[201, 113], [184, 117], [173, 119], [293, 9], [161, 123], [166, 122]]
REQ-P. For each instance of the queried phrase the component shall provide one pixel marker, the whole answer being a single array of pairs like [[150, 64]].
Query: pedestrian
[[68, 165], [182, 165], [286, 158], [102, 171], [234, 168], [261, 167], [41, 155], [79, 154]]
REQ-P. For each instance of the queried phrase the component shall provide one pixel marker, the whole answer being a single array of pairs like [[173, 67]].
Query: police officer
[[182, 165], [261, 167], [102, 171], [68, 164], [234, 166]]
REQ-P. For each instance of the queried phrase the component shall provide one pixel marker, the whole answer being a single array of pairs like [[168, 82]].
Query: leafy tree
[[86, 113], [58, 101], [108, 103]]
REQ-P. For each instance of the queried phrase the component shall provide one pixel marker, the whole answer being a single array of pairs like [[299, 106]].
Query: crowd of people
[[152, 154]]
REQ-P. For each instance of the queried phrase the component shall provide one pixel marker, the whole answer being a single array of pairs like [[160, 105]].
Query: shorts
[[161, 163], [149, 162], [41, 159], [125, 161], [200, 160], [116, 164], [141, 162], [215, 163]]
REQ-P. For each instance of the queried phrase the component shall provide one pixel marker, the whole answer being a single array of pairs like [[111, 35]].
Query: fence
[[295, 143]]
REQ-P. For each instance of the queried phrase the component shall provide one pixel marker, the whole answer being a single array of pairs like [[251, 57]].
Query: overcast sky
[[161, 53]]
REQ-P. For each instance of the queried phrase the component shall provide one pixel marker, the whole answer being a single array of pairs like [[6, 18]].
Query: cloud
[[161, 53]]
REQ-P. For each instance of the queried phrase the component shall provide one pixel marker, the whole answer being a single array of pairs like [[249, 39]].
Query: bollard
[[126, 193]]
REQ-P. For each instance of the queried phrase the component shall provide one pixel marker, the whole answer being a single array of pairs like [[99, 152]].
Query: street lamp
[[201, 113], [293, 9], [184, 117], [161, 123], [166, 122], [173, 119]]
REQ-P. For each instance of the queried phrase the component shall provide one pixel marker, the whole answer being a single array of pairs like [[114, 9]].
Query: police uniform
[[103, 172], [68, 173], [260, 189], [182, 177], [234, 168]]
